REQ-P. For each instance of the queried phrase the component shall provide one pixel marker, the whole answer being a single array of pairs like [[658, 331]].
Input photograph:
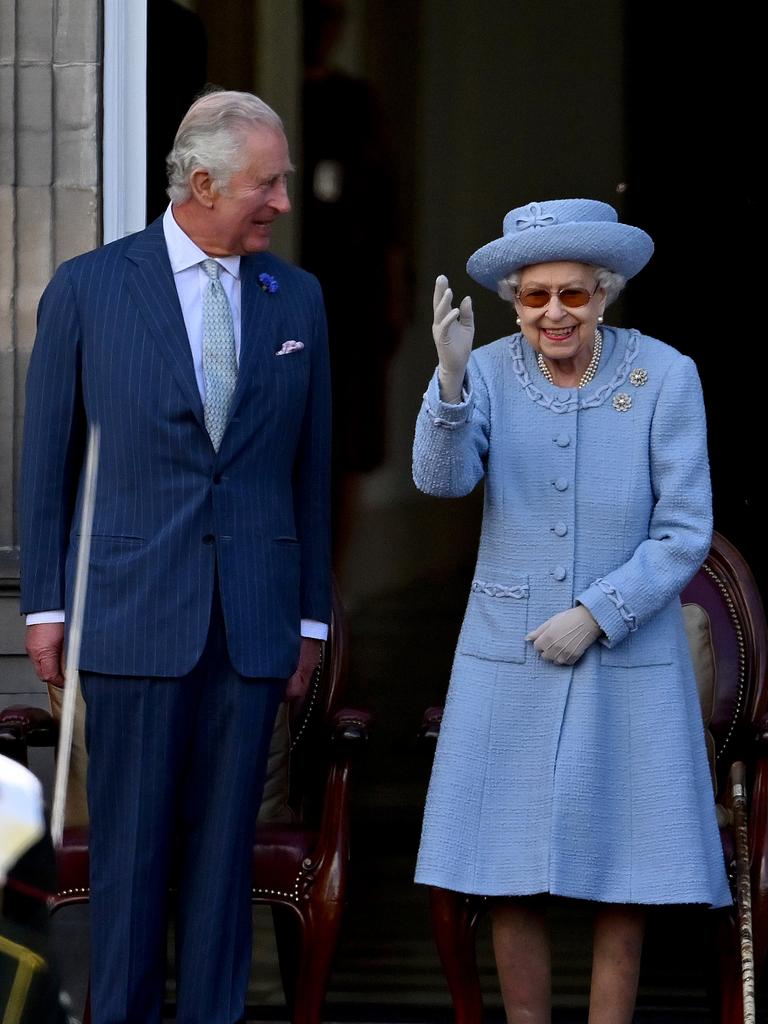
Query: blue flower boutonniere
[[268, 283]]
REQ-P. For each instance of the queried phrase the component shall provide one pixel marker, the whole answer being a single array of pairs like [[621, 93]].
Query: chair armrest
[[349, 732], [36, 727], [761, 735], [23, 727], [351, 726], [429, 729], [758, 847]]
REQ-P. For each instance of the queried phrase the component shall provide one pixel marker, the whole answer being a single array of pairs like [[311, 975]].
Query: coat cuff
[[446, 414], [609, 611]]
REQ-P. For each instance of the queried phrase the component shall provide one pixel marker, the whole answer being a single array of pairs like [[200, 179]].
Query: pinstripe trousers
[[175, 776]]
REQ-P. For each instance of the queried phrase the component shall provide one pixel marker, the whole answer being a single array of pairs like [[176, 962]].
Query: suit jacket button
[[208, 538], [561, 484], [560, 573], [560, 529], [562, 440]]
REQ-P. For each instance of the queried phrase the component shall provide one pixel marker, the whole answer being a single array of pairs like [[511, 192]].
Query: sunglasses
[[537, 298]]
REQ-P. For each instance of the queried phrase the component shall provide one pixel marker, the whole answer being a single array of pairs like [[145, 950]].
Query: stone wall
[[50, 84]]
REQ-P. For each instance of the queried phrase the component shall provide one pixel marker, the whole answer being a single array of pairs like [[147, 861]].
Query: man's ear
[[203, 189]]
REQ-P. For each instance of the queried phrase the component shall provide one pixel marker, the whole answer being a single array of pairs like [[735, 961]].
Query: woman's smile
[[559, 333]]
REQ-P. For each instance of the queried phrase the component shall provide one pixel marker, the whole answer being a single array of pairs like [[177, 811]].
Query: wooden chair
[[299, 865], [726, 626]]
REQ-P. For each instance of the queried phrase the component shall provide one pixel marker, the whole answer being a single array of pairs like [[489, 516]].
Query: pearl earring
[[517, 320], [599, 319]]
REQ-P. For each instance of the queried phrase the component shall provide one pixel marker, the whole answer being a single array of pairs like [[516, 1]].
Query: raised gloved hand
[[453, 331], [564, 638]]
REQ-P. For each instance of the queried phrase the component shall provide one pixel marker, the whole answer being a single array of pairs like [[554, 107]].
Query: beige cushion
[[274, 804], [699, 633], [76, 810]]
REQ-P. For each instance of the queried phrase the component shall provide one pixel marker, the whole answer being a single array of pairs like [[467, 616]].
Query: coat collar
[[620, 350], [257, 316], [150, 281]]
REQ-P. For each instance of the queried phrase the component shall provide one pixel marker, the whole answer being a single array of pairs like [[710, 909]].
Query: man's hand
[[309, 659], [453, 331], [45, 646]]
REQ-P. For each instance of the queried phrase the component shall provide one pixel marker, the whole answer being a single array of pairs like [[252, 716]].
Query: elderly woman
[[571, 758]]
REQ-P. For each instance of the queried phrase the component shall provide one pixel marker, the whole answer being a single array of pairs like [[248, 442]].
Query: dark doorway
[[690, 79], [486, 111]]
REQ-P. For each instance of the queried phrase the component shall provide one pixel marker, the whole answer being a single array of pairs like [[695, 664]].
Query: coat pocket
[[496, 620], [107, 547]]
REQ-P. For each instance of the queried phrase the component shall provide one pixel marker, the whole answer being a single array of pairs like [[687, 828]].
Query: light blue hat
[[572, 230]]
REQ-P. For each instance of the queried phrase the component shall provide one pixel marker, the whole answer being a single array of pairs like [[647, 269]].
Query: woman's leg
[[521, 945], [618, 943]]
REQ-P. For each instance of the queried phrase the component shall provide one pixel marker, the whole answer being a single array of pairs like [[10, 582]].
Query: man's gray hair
[[210, 137], [611, 283]]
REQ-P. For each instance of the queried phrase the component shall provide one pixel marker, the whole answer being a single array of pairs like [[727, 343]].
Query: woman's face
[[556, 330]]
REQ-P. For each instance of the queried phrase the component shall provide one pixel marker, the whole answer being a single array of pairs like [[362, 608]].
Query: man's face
[[243, 212]]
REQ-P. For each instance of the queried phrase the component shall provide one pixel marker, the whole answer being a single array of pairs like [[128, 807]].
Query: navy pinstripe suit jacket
[[112, 349]]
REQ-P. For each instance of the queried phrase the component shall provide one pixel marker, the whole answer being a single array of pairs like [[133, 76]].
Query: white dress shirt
[[191, 280]]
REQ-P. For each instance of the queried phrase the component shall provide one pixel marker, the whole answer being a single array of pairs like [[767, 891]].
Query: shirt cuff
[[314, 630], [309, 627], [35, 618]]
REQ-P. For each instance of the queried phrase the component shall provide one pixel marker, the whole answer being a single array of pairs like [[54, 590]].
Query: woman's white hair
[[210, 137], [611, 283]]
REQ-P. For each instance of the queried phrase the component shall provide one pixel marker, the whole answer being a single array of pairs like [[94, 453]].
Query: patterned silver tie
[[219, 359]]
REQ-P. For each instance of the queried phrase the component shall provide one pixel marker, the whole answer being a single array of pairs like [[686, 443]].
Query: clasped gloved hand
[[566, 636]]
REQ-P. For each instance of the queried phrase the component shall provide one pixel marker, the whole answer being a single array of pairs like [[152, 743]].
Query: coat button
[[561, 484], [559, 572], [560, 529], [208, 538], [562, 440]]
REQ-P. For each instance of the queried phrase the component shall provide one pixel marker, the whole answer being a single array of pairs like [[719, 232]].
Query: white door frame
[[124, 118]]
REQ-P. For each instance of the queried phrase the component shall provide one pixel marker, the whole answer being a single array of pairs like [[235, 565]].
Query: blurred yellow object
[[29, 963]]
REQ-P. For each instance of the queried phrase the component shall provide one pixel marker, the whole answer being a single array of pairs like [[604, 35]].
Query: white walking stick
[[66, 726]]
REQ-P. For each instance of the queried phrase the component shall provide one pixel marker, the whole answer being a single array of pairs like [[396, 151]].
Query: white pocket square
[[289, 346]]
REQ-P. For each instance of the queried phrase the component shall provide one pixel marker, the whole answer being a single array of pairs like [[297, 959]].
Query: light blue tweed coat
[[588, 781]]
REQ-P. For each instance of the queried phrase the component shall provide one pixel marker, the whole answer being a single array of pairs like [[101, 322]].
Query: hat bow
[[534, 217]]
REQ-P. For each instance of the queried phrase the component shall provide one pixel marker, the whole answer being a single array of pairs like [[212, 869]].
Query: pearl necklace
[[590, 371]]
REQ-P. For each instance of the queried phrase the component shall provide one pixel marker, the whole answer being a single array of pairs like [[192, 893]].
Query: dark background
[[479, 108], [690, 88]]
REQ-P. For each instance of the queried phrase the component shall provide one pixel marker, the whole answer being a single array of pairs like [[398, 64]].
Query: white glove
[[564, 638], [453, 331]]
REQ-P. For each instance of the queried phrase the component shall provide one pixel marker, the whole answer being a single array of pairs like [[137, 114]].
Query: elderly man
[[204, 361]]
